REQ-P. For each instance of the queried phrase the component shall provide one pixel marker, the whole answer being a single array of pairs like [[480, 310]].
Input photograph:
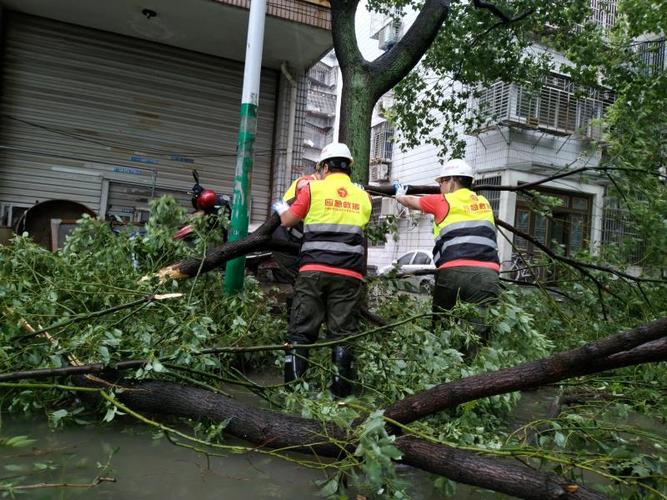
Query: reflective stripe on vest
[[334, 225], [468, 232]]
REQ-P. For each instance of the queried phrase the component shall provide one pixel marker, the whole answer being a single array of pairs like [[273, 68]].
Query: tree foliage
[[98, 269]]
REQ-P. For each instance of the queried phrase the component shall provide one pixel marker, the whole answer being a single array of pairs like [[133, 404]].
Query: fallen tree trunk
[[470, 468], [265, 428], [276, 430]]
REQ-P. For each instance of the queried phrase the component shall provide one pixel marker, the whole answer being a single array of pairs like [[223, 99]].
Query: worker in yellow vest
[[335, 213], [466, 250]]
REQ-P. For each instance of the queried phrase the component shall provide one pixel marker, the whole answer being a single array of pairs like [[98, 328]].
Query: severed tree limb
[[259, 240], [511, 478], [610, 352]]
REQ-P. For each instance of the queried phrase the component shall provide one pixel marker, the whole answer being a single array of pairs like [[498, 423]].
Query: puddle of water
[[147, 468]]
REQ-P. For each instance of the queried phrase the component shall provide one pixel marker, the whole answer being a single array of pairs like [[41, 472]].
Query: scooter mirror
[[195, 174]]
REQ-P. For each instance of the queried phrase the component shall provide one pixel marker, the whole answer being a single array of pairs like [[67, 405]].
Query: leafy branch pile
[[99, 269]]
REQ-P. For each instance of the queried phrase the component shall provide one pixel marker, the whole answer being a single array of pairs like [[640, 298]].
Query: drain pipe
[[290, 127]]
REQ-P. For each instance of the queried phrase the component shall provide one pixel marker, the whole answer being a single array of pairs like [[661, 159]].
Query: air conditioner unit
[[378, 172], [389, 35], [384, 103], [388, 207]]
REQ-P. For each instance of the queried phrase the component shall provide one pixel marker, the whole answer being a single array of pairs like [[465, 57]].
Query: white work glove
[[280, 207], [399, 189], [360, 186]]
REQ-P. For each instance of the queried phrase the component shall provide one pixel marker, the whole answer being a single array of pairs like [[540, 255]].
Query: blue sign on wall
[[141, 159]]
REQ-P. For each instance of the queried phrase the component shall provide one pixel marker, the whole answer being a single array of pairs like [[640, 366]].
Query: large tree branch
[[590, 358], [259, 240], [391, 67], [495, 10], [470, 468], [344, 33], [268, 429]]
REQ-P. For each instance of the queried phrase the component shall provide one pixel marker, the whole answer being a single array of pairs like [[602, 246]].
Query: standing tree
[[454, 43]]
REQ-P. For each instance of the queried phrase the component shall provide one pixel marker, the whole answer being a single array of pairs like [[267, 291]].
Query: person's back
[[332, 260], [466, 250]]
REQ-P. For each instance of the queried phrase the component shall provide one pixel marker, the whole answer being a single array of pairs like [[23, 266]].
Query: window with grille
[[603, 13], [652, 56], [618, 234]]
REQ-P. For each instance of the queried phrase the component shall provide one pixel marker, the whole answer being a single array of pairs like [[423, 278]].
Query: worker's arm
[[409, 201], [290, 215], [400, 191], [288, 219]]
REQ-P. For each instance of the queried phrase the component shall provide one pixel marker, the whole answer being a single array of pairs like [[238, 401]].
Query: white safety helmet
[[334, 150], [455, 167]]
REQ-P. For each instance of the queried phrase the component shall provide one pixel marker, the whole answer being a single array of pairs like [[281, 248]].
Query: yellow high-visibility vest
[[468, 233], [334, 225]]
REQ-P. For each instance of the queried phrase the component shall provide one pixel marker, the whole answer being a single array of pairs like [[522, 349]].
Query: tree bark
[[608, 353], [276, 430], [259, 240], [511, 478]]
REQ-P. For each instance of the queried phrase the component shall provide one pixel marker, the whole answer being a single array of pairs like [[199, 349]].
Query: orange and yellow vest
[[467, 235], [334, 226]]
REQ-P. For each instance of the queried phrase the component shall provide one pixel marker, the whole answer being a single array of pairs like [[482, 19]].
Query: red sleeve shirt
[[436, 205], [301, 205]]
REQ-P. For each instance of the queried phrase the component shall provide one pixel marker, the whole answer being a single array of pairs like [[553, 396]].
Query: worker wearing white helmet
[[466, 250], [335, 213]]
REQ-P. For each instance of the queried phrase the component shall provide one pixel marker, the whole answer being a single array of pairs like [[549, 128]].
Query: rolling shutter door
[[83, 109]]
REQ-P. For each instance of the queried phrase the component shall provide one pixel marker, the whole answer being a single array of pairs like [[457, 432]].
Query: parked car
[[410, 262]]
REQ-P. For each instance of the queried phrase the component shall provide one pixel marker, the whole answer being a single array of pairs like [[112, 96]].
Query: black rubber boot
[[296, 362], [341, 357]]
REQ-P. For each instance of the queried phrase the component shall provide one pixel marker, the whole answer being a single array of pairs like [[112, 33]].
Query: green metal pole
[[235, 269]]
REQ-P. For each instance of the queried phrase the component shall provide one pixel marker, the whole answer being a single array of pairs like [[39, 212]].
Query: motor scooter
[[205, 202]]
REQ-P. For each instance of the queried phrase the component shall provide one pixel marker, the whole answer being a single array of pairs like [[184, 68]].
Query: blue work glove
[[399, 189], [280, 207]]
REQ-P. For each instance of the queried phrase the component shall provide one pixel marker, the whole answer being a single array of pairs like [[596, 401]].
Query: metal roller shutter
[[84, 109]]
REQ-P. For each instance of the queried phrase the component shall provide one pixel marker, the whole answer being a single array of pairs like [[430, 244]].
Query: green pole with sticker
[[235, 269]]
